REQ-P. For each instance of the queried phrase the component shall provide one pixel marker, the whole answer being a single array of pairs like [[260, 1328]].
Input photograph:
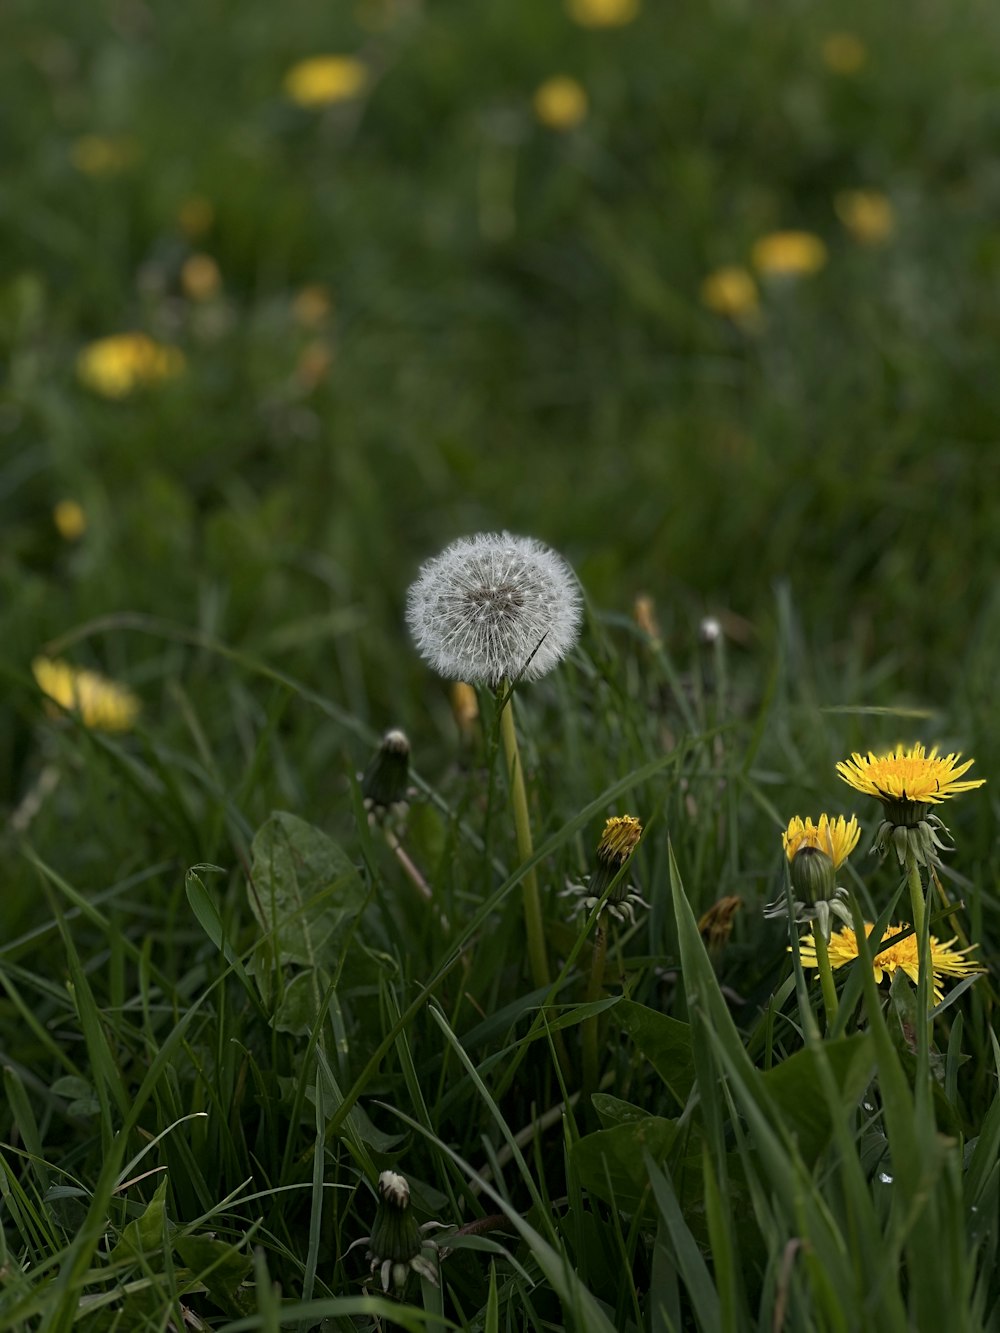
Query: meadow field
[[703, 296]]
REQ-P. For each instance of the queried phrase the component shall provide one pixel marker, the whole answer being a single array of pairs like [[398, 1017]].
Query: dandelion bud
[[394, 1247], [813, 876], [618, 842], [464, 706], [384, 784]]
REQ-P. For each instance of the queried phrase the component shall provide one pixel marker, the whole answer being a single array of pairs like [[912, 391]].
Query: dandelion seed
[[494, 607]]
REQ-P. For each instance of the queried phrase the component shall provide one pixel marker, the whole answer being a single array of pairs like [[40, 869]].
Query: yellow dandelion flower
[[789, 254], [730, 291], [196, 216], [115, 367], [101, 704], [200, 277], [312, 306], [867, 214], [323, 80], [70, 520], [560, 103], [903, 956], [621, 833], [101, 156], [602, 13], [844, 53], [908, 774], [836, 837]]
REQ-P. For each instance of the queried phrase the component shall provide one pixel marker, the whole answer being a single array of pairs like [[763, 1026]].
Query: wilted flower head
[[396, 1242], [560, 103], [494, 606], [116, 366], [322, 80], [102, 704]]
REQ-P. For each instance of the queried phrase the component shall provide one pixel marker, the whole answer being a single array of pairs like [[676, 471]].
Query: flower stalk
[[533, 923]]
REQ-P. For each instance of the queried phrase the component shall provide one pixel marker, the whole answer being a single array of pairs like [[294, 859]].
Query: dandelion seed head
[[494, 606]]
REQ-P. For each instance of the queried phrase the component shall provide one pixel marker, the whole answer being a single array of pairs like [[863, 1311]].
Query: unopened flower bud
[[813, 875], [618, 842], [385, 780]]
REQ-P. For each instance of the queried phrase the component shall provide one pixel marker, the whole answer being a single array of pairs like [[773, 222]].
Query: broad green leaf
[[664, 1042], [304, 890], [613, 1111], [221, 1267], [796, 1087], [611, 1164], [146, 1234]]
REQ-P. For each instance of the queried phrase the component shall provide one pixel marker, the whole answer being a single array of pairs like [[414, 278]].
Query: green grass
[[219, 1023]]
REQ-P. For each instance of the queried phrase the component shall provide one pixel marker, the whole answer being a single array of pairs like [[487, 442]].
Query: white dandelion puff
[[495, 606]]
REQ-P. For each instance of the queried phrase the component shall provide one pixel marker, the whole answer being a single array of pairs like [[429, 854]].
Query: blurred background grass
[[419, 311]]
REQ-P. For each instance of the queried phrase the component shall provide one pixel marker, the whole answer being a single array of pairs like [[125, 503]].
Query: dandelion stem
[[589, 1033], [825, 978], [916, 894], [533, 924]]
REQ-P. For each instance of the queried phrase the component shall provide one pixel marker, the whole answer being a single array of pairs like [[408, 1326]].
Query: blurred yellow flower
[[200, 277], [844, 52], [101, 704], [102, 155], [311, 306], [867, 214], [115, 367], [602, 13], [730, 291], [560, 103], [892, 958], [314, 363], [70, 520], [789, 254], [321, 80], [464, 706], [195, 216]]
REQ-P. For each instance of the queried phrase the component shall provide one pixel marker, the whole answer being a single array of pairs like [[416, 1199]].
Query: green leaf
[[613, 1111], [611, 1165], [145, 1236], [221, 1267], [664, 1042], [797, 1088], [304, 890]]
